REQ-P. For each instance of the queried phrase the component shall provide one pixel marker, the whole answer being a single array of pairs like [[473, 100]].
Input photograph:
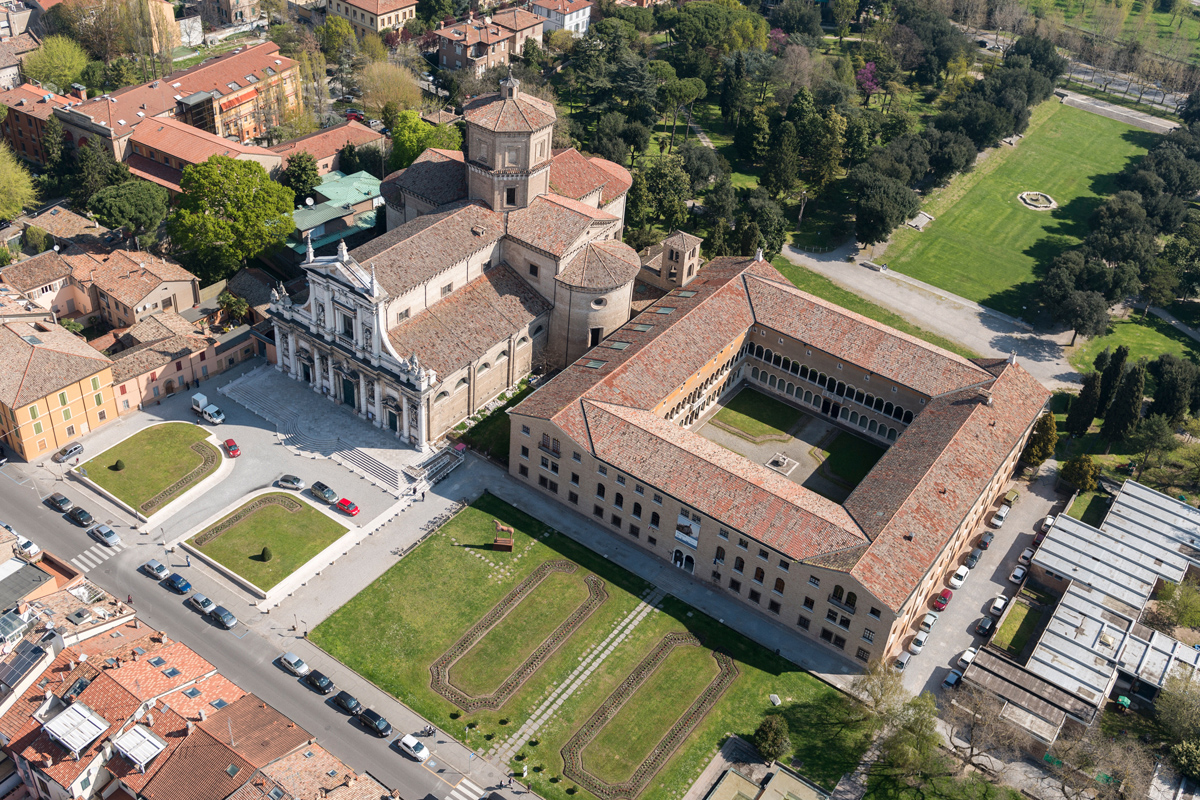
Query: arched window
[[441, 396], [779, 585], [873, 426], [862, 421], [720, 557], [795, 368], [844, 413], [840, 389], [791, 388], [838, 593], [759, 575], [804, 372], [738, 564], [778, 360], [853, 417], [858, 395], [503, 355], [461, 383], [786, 365], [892, 434], [762, 376], [522, 340], [754, 373], [771, 381], [907, 417], [769, 356], [619, 500], [538, 329], [808, 397], [879, 404], [821, 379], [898, 413], [851, 599], [637, 510], [758, 351], [484, 367], [887, 409], [653, 519], [600, 490]]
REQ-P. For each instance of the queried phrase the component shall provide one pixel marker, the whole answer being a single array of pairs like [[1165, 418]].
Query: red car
[[345, 505], [942, 600], [357, 116], [232, 447]]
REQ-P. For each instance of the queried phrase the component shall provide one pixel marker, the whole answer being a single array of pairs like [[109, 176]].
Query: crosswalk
[[466, 790], [95, 555]]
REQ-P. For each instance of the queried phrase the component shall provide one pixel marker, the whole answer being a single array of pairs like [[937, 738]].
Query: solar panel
[[17, 667]]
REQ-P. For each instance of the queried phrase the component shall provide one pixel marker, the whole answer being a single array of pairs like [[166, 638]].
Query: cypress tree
[[1083, 408], [1126, 409], [1102, 359], [1110, 379]]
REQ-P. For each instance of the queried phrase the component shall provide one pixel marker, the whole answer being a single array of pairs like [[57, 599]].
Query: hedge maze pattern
[[261, 503], [209, 457], [440, 669], [572, 751]]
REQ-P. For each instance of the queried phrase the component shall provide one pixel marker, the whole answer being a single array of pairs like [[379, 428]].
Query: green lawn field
[[154, 458], [755, 414], [419, 608], [851, 458], [1146, 338], [988, 247]]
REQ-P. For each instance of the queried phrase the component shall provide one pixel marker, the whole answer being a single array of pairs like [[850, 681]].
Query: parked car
[[1026, 555], [319, 681], [104, 533], [232, 447], [357, 116], [942, 600], [202, 603], [929, 621], [952, 679], [998, 605], [26, 547], [973, 557], [985, 625], [998, 518], [178, 584], [323, 493], [80, 516], [412, 745], [1047, 524], [375, 723], [60, 502], [967, 657], [986, 540], [294, 664], [960, 577], [67, 453], [223, 617], [901, 661], [918, 643], [1011, 498], [347, 506], [1017, 575], [347, 702], [291, 482]]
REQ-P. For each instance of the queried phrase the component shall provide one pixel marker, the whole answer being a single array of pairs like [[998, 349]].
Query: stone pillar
[[362, 395], [404, 417], [278, 339], [294, 356], [332, 391], [512, 361], [316, 371], [422, 426], [378, 403]]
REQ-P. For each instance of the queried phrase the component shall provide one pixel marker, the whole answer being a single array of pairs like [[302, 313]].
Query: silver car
[[155, 569], [202, 603], [294, 664], [291, 482], [106, 535]]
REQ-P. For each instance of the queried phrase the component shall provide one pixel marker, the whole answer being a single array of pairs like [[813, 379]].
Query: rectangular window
[[658, 499], [95, 384], [574, 498], [874, 612], [868, 635], [603, 470], [179, 366], [784, 565], [650, 540], [826, 635], [620, 480], [735, 586], [447, 289], [773, 607], [525, 430], [533, 270], [554, 486], [510, 196], [99, 399], [863, 654], [600, 489], [67, 413], [33, 412], [598, 511], [122, 388], [37, 427], [576, 457], [402, 315], [844, 622], [839, 642], [755, 596], [524, 452], [125, 404], [635, 531], [542, 481], [803, 622], [615, 520], [813, 580], [808, 603], [724, 534], [639, 489], [574, 479], [763, 554], [204, 357], [743, 544], [523, 471], [62, 397]]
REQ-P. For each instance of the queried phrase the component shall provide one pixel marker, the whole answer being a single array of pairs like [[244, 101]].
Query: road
[[247, 655]]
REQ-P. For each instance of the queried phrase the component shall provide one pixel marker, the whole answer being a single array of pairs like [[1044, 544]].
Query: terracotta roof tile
[[603, 264], [521, 114], [28, 99], [381, 7], [142, 358], [167, 725], [308, 771], [252, 285], [261, 733], [157, 172], [130, 276], [63, 223], [573, 176], [212, 688], [437, 176], [34, 273], [146, 680], [14, 47], [458, 330], [554, 224], [325, 143], [201, 767], [192, 145], [30, 369], [516, 19], [563, 6], [620, 183]]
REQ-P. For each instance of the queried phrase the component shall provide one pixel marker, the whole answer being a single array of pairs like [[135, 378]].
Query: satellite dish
[[307, 202], [56, 248]]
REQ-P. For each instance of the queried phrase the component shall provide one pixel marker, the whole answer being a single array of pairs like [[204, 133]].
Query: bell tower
[[509, 135]]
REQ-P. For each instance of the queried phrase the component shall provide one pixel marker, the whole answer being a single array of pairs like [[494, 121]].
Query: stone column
[[378, 403], [278, 339], [294, 356], [362, 395], [316, 371], [422, 426], [332, 392], [404, 417]]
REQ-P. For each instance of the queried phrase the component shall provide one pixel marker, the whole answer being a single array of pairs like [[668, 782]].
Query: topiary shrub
[[120, 465], [266, 554], [771, 738]]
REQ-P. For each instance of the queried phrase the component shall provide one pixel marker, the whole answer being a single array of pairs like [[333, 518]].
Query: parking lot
[[955, 628]]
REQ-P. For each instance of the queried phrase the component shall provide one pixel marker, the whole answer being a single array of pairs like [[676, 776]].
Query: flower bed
[[209, 457], [572, 752], [440, 669], [262, 502]]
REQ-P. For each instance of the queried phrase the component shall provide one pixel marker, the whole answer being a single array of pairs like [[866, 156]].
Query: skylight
[[617, 345], [158, 661], [171, 672], [218, 704], [594, 364], [191, 691], [664, 310], [641, 326], [685, 293]]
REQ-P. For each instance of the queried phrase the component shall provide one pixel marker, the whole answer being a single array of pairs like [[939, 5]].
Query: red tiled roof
[[381, 7], [191, 145], [620, 183], [168, 726], [573, 176], [34, 273], [325, 143], [563, 6], [28, 99], [155, 172], [474, 32], [604, 264], [523, 113], [212, 688], [554, 224], [106, 340], [199, 768], [516, 19], [51, 358], [146, 680], [260, 732], [13, 47], [437, 176]]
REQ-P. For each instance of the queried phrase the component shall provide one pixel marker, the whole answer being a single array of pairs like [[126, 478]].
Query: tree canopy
[[137, 206], [18, 191], [59, 61]]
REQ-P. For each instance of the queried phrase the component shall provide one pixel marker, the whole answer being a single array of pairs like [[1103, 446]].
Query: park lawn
[[828, 218], [293, 536], [490, 435], [1090, 508], [1020, 624], [415, 618], [816, 284], [155, 458], [755, 414], [1159, 24], [1146, 338], [1125, 101], [506, 646], [623, 744], [984, 244], [851, 458]]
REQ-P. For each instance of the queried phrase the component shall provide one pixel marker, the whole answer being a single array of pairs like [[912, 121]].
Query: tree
[[383, 83], [1126, 409], [782, 167], [978, 732], [532, 53], [911, 753], [702, 164], [229, 208], [798, 16], [771, 738], [825, 155], [372, 47], [37, 239], [412, 135], [137, 206], [1041, 442], [1175, 381], [844, 12], [59, 61], [1081, 472], [721, 200], [18, 191], [1078, 757], [669, 187], [371, 159], [639, 205], [95, 170], [236, 308], [1085, 312], [265, 555], [1083, 407], [1153, 440], [71, 325], [1100, 362], [1186, 755], [1110, 378], [335, 37], [1181, 603], [751, 237], [879, 690], [881, 204], [301, 174]]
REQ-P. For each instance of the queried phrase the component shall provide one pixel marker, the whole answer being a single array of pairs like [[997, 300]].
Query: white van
[[1001, 515], [901, 661]]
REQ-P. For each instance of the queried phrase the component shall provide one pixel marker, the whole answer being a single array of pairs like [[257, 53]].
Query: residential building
[[53, 388], [570, 15], [232, 12], [14, 17], [612, 437], [326, 145], [480, 44], [12, 51], [344, 205], [429, 322], [162, 147], [373, 16], [29, 107], [159, 356]]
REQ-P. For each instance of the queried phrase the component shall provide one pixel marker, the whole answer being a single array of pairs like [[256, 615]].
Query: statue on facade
[[367, 335], [320, 315]]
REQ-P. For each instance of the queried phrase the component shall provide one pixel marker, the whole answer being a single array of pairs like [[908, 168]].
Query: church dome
[[509, 111], [601, 266]]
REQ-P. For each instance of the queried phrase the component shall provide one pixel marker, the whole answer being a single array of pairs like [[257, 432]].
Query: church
[[494, 264]]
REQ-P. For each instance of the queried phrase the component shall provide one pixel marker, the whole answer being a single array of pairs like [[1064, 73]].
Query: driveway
[[955, 629]]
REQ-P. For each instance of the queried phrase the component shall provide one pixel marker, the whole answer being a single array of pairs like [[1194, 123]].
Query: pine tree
[[751, 236], [639, 205], [1111, 378], [1041, 442], [783, 160], [717, 244], [1126, 408], [1102, 359], [1081, 472], [1083, 407]]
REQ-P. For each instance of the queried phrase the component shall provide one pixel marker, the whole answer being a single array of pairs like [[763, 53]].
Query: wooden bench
[[502, 544]]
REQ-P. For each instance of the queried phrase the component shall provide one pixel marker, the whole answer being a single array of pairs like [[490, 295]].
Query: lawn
[[490, 435], [984, 244], [293, 536], [155, 459], [755, 414], [820, 286], [408, 637], [851, 458], [1090, 508], [1020, 624], [1148, 338], [1158, 24]]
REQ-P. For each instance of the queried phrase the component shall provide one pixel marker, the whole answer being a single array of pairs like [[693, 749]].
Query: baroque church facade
[[494, 264]]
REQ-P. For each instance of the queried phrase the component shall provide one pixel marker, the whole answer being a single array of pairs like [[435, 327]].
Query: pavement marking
[[466, 790], [94, 556]]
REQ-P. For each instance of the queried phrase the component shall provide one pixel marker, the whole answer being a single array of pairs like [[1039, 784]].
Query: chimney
[[78, 90], [759, 255], [190, 727], [202, 715], [1012, 357]]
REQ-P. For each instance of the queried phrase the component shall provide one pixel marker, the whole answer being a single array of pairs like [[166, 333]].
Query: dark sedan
[[376, 724], [347, 702], [319, 681], [80, 516], [178, 583]]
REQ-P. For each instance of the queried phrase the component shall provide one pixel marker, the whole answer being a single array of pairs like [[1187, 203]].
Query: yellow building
[[54, 388]]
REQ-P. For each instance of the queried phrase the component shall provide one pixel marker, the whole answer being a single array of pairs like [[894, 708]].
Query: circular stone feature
[[1038, 201]]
